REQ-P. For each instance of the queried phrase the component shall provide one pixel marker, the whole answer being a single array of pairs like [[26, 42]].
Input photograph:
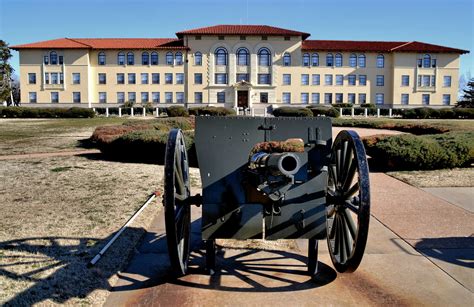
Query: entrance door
[[243, 99]]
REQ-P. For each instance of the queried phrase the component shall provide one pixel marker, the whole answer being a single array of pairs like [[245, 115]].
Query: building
[[237, 66]]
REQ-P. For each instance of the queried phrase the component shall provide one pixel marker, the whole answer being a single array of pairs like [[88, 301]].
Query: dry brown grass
[[458, 177]]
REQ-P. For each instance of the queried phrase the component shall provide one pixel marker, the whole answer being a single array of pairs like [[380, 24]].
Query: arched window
[[179, 58], [242, 57], [361, 60], [353, 60], [154, 58], [169, 58], [286, 59], [329, 59], [145, 58], [426, 61], [130, 58], [53, 58], [306, 59], [380, 61], [198, 58], [338, 60], [315, 59], [264, 57], [101, 58], [221, 56], [121, 58]]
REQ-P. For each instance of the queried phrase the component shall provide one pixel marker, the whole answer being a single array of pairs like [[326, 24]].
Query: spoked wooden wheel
[[348, 202], [177, 210]]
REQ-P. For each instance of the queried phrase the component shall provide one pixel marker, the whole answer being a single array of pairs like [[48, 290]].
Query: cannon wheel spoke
[[177, 211], [348, 202]]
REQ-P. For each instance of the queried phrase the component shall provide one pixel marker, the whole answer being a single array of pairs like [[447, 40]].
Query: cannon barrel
[[276, 164]]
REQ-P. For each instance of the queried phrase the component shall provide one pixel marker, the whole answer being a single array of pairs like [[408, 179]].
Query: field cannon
[[255, 188]]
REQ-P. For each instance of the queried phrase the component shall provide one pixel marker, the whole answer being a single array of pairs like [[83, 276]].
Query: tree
[[467, 100], [6, 71]]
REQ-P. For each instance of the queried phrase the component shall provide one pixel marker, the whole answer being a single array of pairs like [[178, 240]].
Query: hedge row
[[445, 113], [24, 112], [417, 128], [306, 112], [180, 111]]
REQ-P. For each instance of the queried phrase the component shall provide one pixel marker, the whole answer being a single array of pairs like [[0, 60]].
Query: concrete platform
[[460, 196]]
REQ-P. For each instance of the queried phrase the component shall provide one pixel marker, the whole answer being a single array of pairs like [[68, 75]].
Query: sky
[[448, 23]]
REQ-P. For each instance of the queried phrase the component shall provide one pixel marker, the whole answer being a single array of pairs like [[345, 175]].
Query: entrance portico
[[242, 95]]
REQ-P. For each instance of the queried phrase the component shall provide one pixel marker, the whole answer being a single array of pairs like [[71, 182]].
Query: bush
[[292, 112], [325, 111], [466, 113], [28, 112], [342, 105], [211, 111], [177, 111], [368, 105], [445, 113]]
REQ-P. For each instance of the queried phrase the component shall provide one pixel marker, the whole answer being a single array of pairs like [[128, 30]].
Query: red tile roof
[[373, 46], [106, 43], [242, 30]]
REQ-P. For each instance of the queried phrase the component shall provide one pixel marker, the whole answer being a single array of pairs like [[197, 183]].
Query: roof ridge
[[402, 45], [348, 40], [74, 40]]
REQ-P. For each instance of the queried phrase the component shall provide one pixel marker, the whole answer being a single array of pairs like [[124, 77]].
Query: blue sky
[[448, 22]]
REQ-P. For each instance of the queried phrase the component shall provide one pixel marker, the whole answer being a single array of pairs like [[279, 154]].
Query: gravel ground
[[458, 177]]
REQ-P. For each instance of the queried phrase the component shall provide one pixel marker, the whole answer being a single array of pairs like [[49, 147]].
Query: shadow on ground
[[455, 250]]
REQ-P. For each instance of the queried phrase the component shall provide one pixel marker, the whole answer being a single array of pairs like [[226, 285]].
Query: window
[[144, 78], [304, 98], [221, 97], [286, 98], [242, 77], [179, 78], [168, 78], [339, 79], [447, 81], [54, 97], [379, 98], [242, 38], [144, 96], [264, 57], [339, 97], [197, 37], [425, 99], [46, 78], [433, 63], [154, 58], [351, 79], [155, 97], [329, 59], [446, 99], [198, 78], [76, 97], [362, 98], [405, 99], [198, 97], [120, 97], [169, 58], [221, 38], [316, 79], [32, 97], [353, 60], [102, 97], [155, 78], [315, 59], [220, 79], [286, 59], [46, 60], [426, 61], [286, 79], [264, 79], [102, 78], [328, 98], [264, 38], [380, 61], [221, 56], [351, 98], [327, 79], [306, 59], [145, 58], [32, 78], [101, 58], [264, 97], [130, 58], [121, 58], [380, 80], [287, 38], [304, 79], [168, 97], [132, 97], [53, 58], [426, 80], [405, 80], [61, 78], [61, 59], [420, 62], [361, 60], [363, 80], [54, 78], [315, 98], [178, 58], [131, 78], [338, 60], [120, 78], [242, 57], [198, 59]]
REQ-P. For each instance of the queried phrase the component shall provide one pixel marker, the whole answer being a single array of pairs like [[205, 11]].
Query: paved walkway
[[420, 251]]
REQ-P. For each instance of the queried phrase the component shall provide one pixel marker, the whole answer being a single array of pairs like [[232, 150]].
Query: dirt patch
[[457, 177]]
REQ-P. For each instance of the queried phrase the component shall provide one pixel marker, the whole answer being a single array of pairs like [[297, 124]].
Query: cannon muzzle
[[276, 164]]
